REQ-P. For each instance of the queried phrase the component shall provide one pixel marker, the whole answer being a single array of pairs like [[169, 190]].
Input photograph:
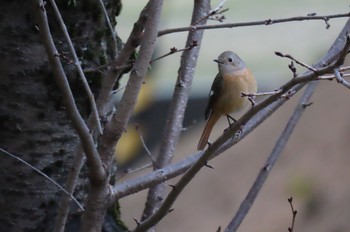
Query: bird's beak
[[219, 61]]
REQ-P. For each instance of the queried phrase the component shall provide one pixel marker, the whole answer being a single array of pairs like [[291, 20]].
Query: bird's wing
[[215, 92]]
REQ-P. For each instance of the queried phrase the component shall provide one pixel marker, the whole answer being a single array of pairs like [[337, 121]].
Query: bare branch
[[267, 107], [115, 127], [340, 79], [130, 171], [294, 214], [93, 157], [254, 23], [243, 94], [44, 175], [293, 69], [110, 27], [344, 68], [78, 66], [275, 154], [173, 127], [145, 147], [214, 12], [115, 68], [296, 61], [175, 50], [72, 179], [219, 7], [331, 77]]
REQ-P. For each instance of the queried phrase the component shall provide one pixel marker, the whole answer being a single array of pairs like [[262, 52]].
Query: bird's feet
[[209, 143], [240, 129], [252, 101], [230, 120]]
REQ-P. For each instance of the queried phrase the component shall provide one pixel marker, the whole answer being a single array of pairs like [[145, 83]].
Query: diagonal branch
[[72, 179], [109, 24], [44, 175], [106, 90], [116, 126], [253, 23], [231, 132], [173, 127], [87, 141], [268, 106], [296, 61], [114, 69], [78, 66], [340, 79], [97, 201], [275, 154], [174, 50]]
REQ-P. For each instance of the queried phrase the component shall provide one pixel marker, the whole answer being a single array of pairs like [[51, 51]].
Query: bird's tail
[[207, 130]]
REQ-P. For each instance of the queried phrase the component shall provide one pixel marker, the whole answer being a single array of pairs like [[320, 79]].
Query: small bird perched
[[225, 95]]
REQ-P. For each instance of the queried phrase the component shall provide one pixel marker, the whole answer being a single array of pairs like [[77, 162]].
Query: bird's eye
[[230, 59]]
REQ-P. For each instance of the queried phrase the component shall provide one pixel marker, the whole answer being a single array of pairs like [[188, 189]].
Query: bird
[[225, 96]]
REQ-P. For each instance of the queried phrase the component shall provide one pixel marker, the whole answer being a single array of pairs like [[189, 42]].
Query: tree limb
[[72, 179], [78, 66], [173, 127], [275, 154], [97, 201], [253, 23], [87, 141], [270, 105], [195, 168]]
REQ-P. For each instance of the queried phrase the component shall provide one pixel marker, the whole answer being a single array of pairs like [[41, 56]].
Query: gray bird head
[[229, 61]]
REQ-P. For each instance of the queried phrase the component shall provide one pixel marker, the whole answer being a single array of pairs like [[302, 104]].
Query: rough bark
[[34, 125]]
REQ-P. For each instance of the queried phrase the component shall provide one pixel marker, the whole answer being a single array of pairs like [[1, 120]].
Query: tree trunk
[[33, 122]]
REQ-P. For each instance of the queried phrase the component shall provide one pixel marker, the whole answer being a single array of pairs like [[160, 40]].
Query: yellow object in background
[[129, 145]]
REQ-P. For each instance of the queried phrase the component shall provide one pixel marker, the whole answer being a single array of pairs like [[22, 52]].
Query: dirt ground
[[313, 169]]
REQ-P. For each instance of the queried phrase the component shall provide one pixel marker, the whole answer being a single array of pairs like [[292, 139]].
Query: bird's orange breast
[[233, 85]]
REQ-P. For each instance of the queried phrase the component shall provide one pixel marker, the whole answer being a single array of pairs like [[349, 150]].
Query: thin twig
[[275, 154], [175, 50], [44, 175], [268, 93], [219, 7], [254, 23], [114, 70], [172, 51], [77, 65], [294, 214], [93, 158], [344, 68], [296, 61], [146, 148], [72, 179], [216, 11], [109, 24], [293, 69], [137, 169], [105, 66], [218, 15], [331, 77]]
